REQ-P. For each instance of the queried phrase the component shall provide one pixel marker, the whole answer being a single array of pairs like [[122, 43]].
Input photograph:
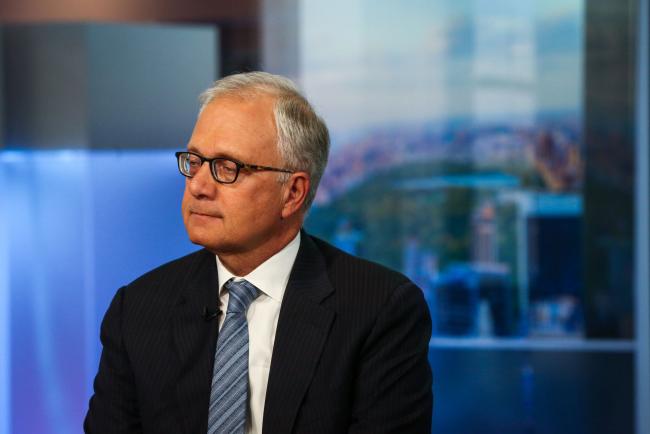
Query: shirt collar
[[271, 276]]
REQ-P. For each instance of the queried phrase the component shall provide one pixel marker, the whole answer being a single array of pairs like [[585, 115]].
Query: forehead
[[237, 127]]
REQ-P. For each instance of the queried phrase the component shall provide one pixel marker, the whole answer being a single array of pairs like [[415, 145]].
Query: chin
[[204, 240], [199, 237]]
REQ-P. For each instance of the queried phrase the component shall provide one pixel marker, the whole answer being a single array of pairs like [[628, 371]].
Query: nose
[[202, 185]]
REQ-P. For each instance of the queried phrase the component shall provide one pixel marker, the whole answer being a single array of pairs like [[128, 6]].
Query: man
[[267, 329]]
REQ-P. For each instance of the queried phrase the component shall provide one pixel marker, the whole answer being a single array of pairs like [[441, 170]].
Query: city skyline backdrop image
[[457, 153]]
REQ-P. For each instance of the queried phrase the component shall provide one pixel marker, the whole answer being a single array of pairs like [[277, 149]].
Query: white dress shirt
[[271, 278]]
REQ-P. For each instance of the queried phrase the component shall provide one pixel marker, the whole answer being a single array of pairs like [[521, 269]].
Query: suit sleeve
[[393, 392], [113, 408]]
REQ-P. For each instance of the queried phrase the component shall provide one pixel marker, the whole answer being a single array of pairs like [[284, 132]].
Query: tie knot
[[241, 294]]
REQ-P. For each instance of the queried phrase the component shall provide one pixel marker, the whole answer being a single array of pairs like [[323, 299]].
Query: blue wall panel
[[78, 225]]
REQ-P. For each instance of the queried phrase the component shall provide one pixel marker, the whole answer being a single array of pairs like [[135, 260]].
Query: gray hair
[[303, 138]]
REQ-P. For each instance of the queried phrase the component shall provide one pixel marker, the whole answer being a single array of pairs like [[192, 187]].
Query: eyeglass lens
[[224, 170]]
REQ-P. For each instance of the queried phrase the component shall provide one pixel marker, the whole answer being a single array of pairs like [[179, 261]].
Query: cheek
[[268, 208], [185, 206]]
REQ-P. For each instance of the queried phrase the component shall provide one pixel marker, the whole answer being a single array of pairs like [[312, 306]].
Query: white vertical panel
[[5, 337], [642, 277]]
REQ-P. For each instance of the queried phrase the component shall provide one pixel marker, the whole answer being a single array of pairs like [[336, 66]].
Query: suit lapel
[[195, 340], [302, 329]]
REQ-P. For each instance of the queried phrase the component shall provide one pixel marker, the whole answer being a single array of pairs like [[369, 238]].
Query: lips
[[204, 214]]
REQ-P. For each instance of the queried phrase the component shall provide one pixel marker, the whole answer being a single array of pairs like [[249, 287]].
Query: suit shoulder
[[364, 289], [158, 290], [342, 265], [170, 272]]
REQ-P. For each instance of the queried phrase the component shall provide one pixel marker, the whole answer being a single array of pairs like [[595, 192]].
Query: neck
[[242, 264]]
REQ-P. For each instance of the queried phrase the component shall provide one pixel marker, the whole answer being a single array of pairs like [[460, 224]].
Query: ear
[[295, 194]]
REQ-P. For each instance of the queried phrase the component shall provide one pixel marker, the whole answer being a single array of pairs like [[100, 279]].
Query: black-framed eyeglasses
[[224, 170]]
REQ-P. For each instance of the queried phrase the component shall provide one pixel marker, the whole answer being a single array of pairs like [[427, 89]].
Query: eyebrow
[[194, 149]]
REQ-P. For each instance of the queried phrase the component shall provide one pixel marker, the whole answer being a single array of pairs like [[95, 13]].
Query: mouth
[[204, 214]]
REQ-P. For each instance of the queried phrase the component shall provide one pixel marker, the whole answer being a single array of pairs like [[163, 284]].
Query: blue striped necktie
[[229, 390]]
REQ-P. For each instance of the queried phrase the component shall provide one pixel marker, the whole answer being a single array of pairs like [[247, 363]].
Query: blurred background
[[495, 151]]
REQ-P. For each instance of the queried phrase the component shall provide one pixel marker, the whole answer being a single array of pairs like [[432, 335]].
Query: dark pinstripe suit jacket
[[350, 350]]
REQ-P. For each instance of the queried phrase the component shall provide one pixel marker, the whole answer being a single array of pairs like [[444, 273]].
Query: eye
[[226, 166], [229, 169]]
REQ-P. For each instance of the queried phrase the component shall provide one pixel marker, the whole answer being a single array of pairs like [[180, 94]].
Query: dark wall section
[[238, 21], [143, 83], [240, 46], [281, 37], [609, 175], [45, 82], [104, 85], [2, 89], [126, 10]]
